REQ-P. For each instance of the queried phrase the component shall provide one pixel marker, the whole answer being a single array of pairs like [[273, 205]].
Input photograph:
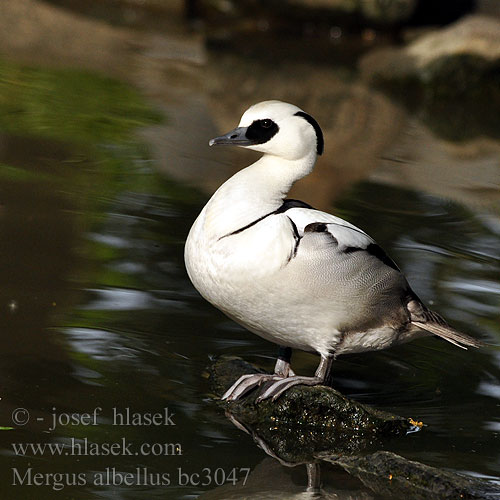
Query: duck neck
[[255, 191], [273, 177]]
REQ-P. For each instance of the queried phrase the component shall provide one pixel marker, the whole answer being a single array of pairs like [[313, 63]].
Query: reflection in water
[[269, 480], [381, 475], [282, 447]]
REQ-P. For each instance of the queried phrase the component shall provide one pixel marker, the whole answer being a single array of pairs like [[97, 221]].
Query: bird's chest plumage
[[251, 275], [235, 268], [246, 276]]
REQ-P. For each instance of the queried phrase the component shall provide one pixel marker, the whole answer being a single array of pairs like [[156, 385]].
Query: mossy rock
[[393, 476], [305, 420]]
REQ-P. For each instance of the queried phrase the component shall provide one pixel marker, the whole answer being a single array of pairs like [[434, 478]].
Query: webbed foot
[[246, 383], [276, 389]]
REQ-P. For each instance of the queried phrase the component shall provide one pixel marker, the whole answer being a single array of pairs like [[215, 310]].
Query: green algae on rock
[[393, 476], [321, 418]]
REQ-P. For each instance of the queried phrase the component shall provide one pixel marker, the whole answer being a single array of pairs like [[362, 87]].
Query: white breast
[[250, 276]]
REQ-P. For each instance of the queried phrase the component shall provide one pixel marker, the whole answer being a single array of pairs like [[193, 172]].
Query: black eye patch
[[261, 131]]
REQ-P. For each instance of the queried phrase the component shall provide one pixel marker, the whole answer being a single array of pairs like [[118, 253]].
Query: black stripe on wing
[[373, 249], [377, 252], [287, 205], [291, 203], [296, 236]]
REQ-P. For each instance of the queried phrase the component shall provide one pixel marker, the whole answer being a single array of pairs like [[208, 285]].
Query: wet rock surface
[[305, 420], [393, 476], [314, 425]]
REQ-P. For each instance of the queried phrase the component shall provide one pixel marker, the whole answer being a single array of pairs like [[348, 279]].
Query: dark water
[[98, 318]]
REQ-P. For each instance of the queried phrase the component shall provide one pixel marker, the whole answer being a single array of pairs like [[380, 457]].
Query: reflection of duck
[[294, 275], [312, 468], [270, 481]]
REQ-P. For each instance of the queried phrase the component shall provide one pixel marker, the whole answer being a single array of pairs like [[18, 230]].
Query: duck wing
[[365, 265]]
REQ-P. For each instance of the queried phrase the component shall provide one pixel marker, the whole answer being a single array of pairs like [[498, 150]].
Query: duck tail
[[432, 322]]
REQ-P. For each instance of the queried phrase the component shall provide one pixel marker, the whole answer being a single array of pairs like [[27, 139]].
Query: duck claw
[[276, 389], [246, 383]]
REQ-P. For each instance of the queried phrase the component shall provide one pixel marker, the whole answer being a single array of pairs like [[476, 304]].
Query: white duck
[[296, 276]]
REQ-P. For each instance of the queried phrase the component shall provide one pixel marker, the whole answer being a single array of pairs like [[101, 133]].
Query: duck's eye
[[260, 131]]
